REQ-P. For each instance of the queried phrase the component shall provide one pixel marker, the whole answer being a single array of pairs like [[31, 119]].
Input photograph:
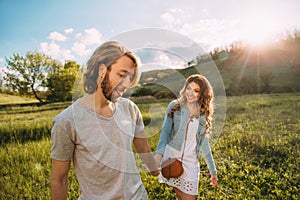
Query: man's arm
[[59, 179], [143, 149]]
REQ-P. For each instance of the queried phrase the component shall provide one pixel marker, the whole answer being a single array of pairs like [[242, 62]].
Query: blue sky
[[72, 29]]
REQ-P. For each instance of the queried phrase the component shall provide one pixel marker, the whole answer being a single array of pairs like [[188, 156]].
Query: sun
[[259, 29]]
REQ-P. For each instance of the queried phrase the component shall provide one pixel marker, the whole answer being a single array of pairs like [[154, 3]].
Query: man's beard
[[111, 94], [106, 88]]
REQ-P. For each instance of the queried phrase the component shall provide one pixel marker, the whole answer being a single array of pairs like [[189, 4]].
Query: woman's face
[[192, 92]]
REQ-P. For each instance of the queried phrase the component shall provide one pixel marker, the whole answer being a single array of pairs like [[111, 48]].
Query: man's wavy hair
[[107, 54], [205, 102]]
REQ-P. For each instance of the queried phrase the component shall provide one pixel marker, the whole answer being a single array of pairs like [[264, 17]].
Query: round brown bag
[[171, 168]]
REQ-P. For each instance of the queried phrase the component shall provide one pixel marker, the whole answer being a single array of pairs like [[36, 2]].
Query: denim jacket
[[173, 134]]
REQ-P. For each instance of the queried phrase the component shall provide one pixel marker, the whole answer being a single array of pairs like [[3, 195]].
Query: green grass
[[6, 98], [257, 154], [27, 123]]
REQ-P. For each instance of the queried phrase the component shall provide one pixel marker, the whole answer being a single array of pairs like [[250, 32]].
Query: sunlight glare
[[259, 29]]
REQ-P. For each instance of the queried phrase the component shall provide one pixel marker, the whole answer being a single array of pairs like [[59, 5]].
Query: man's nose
[[126, 82]]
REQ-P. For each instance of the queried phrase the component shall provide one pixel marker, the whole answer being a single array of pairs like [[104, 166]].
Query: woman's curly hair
[[205, 102]]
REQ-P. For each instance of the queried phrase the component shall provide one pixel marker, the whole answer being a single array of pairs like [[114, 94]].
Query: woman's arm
[[208, 157], [165, 134]]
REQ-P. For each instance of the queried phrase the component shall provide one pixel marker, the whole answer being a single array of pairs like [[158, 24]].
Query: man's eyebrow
[[123, 71]]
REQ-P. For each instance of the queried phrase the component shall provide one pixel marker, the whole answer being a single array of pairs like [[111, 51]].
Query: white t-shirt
[[101, 150]]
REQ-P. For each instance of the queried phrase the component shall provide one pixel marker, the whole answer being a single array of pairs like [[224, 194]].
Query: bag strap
[[186, 131]]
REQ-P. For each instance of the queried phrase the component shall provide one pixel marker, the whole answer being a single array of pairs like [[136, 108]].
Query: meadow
[[257, 154]]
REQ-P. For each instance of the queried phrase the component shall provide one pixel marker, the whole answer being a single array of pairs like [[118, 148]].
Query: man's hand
[[143, 149]]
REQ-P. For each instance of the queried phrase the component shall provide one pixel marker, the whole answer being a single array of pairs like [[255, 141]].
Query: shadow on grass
[[23, 135]]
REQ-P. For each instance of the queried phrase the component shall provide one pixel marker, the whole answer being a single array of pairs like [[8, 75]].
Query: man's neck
[[99, 104]]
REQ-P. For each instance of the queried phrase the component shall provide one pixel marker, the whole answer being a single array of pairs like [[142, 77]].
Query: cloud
[[51, 49], [90, 36], [205, 11], [3, 68], [211, 32], [173, 17], [168, 60], [168, 18], [208, 32], [69, 31], [66, 55], [57, 36], [55, 51], [72, 45], [80, 49]]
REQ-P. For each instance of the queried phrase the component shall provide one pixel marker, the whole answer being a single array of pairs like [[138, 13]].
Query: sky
[[72, 29]]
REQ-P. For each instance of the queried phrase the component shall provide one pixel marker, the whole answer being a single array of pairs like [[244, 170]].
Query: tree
[[27, 75], [78, 90], [1, 82], [60, 83], [266, 78]]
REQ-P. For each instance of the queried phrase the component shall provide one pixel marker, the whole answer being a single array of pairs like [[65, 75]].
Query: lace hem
[[188, 187]]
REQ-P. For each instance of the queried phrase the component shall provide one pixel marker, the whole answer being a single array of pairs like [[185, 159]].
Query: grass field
[[6, 98], [257, 154]]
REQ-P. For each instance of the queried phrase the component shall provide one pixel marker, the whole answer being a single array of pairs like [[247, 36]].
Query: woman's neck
[[194, 109]]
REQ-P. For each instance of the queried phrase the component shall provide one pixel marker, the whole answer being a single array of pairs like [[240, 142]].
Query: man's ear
[[102, 71]]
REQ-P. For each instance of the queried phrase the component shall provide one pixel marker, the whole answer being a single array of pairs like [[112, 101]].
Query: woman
[[184, 135]]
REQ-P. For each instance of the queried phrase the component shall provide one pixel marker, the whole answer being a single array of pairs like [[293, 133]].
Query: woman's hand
[[214, 180]]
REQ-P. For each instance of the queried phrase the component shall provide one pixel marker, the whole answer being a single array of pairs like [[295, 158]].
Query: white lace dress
[[188, 182]]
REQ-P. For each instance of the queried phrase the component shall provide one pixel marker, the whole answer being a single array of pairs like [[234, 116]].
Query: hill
[[265, 70], [11, 99], [272, 69], [154, 75]]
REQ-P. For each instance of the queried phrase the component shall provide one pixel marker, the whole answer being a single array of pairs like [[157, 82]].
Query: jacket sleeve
[[165, 135], [207, 154]]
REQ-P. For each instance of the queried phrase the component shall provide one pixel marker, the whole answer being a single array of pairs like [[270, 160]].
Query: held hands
[[214, 180], [158, 158], [155, 170]]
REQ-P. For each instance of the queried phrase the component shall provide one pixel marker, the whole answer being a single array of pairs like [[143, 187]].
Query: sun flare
[[259, 29]]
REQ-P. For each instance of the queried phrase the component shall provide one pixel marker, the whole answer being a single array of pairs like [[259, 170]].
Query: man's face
[[118, 79]]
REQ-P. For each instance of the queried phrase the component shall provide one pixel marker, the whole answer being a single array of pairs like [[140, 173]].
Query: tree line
[[48, 80], [38, 75]]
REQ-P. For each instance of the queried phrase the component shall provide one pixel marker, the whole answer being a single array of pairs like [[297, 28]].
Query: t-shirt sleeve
[[63, 144], [137, 117]]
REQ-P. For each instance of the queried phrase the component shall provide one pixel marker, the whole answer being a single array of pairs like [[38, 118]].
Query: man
[[97, 132]]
